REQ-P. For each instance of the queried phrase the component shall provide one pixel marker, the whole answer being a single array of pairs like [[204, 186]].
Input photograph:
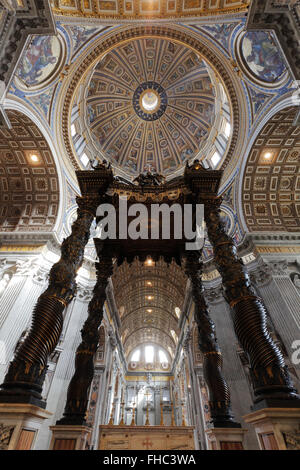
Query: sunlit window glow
[[175, 337], [34, 158], [162, 356], [85, 159], [177, 312], [149, 101], [267, 155], [136, 355], [215, 158], [227, 130], [73, 130], [149, 354]]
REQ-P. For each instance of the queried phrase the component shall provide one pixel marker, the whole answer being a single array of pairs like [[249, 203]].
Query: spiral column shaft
[[24, 379], [219, 394], [271, 380], [78, 390]]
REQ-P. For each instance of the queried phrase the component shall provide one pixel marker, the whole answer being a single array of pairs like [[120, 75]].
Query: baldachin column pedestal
[[276, 428], [68, 437], [226, 438], [19, 425]]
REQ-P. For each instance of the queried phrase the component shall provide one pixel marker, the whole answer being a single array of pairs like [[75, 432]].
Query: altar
[[146, 437]]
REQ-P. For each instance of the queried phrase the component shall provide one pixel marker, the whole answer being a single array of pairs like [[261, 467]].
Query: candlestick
[[111, 420], [172, 420], [133, 415], [183, 423], [161, 415], [122, 414], [147, 423]]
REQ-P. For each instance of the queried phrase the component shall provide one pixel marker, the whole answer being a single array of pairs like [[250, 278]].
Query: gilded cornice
[[118, 10]]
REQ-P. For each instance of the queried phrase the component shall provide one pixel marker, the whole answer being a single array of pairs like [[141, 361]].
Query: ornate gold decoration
[[141, 9]]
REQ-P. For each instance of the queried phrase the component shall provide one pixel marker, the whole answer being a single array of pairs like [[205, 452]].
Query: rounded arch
[[279, 106], [11, 105], [271, 186]]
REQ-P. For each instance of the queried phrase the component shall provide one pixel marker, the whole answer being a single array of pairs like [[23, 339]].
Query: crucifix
[[147, 423]]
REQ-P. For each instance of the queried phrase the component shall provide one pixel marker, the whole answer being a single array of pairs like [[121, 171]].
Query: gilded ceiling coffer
[[219, 394], [78, 390], [271, 381], [24, 379]]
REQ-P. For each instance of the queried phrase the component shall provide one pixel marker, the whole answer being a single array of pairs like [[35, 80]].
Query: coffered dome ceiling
[[151, 104]]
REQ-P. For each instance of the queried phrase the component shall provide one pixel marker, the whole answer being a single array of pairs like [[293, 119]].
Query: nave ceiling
[[148, 295]]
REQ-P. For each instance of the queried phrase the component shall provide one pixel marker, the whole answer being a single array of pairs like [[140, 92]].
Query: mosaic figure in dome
[[39, 60], [263, 56]]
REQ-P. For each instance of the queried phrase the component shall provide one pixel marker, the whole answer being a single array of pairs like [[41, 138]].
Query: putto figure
[[149, 179]]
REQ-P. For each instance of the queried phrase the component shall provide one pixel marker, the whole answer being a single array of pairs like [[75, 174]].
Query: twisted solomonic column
[[78, 390], [219, 394], [271, 381], [24, 380]]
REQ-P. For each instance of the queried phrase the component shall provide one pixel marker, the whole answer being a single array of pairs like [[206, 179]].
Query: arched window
[[177, 312], [136, 356], [149, 354], [162, 356], [175, 337]]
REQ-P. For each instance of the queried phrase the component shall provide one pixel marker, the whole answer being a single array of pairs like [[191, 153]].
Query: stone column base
[[276, 428], [19, 425], [69, 437], [226, 438]]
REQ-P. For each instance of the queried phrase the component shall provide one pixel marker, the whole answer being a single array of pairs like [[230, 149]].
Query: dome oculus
[[150, 101]]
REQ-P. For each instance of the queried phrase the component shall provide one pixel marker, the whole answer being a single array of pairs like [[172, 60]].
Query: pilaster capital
[[214, 294], [84, 294], [27, 266], [262, 275], [41, 276], [278, 267]]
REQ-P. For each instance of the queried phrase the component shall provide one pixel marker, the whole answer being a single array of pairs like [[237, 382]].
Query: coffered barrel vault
[[149, 302], [29, 198], [271, 182]]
